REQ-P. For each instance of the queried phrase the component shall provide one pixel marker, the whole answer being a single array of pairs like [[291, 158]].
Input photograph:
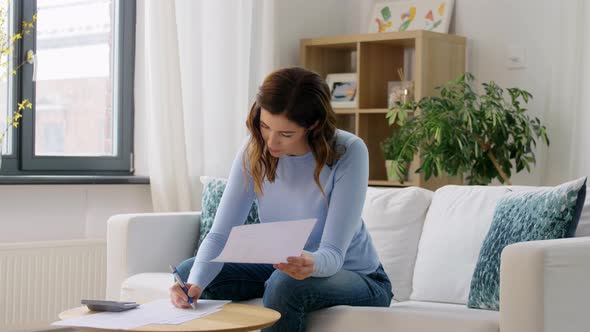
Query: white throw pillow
[[584, 223], [456, 225], [394, 219]]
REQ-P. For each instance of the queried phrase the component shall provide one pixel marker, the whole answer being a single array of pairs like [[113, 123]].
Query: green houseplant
[[462, 132]]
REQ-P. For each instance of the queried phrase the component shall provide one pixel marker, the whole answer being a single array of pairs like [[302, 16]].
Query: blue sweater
[[339, 239]]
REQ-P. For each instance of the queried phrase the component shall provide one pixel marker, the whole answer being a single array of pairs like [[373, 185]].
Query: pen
[[182, 285]]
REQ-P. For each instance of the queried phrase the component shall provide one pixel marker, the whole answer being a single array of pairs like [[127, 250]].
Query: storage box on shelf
[[376, 58]]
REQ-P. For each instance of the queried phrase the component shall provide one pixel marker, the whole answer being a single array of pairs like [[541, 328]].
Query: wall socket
[[515, 57]]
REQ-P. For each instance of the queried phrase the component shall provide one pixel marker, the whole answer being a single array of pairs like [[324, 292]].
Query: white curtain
[[568, 119], [198, 66]]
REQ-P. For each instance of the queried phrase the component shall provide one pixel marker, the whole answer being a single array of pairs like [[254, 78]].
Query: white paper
[[266, 243], [155, 312], [181, 319]]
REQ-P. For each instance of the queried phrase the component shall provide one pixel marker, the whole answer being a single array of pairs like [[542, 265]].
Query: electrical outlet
[[515, 57]]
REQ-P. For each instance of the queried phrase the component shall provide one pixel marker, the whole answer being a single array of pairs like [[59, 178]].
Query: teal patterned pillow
[[212, 191], [551, 213]]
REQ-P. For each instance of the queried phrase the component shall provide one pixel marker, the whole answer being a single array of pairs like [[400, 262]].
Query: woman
[[298, 166]]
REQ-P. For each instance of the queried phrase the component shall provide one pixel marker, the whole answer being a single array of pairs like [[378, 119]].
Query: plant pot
[[390, 178], [388, 170]]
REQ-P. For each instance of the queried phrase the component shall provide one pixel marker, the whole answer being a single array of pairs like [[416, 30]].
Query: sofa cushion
[[409, 316], [212, 192], [584, 223], [455, 227], [552, 213], [394, 218]]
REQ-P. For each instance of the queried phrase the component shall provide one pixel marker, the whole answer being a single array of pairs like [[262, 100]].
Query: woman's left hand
[[298, 268]]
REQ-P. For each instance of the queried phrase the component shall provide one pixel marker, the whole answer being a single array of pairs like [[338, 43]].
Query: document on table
[[155, 312], [266, 243]]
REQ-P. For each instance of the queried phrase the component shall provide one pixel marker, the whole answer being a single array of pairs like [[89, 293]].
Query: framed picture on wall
[[431, 15], [343, 90]]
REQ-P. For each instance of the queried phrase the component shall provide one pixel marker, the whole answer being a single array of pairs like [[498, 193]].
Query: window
[[80, 83]]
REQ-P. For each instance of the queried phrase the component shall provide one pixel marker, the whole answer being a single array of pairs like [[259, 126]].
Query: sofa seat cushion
[[409, 316]]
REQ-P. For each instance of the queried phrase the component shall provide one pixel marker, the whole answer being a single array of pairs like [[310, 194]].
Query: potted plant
[[461, 132]]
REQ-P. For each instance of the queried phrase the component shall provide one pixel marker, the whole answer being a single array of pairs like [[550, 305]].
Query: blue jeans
[[294, 299]]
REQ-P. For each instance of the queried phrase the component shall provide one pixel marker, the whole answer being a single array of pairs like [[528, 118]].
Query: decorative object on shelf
[[399, 91], [432, 15], [8, 44], [343, 89], [464, 132]]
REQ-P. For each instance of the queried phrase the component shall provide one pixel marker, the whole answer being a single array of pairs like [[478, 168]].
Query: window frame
[[22, 161]]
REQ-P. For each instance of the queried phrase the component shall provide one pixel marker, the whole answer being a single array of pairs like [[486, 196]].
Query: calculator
[[115, 306]]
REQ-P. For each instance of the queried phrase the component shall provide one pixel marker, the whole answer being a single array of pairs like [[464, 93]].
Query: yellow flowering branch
[[14, 121], [8, 43], [7, 47]]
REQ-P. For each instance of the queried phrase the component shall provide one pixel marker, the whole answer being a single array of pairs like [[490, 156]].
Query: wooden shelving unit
[[375, 58]]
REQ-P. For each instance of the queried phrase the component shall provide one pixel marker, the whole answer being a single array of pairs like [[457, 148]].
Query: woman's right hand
[[179, 299]]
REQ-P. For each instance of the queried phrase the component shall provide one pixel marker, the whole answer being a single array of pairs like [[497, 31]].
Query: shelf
[[346, 110], [430, 58], [400, 38], [373, 111], [330, 59], [391, 183], [378, 64], [363, 111]]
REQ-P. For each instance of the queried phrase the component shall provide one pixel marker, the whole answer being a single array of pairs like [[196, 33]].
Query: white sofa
[[544, 284]]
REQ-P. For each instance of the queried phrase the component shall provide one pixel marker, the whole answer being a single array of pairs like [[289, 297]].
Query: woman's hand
[[297, 267], [179, 299]]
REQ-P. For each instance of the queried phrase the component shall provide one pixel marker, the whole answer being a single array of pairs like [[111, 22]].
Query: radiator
[[38, 280]]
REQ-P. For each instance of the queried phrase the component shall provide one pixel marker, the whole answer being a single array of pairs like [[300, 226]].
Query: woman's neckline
[[305, 156]]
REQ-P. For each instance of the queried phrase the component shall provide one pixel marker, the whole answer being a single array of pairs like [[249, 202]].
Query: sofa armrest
[[147, 242], [544, 286]]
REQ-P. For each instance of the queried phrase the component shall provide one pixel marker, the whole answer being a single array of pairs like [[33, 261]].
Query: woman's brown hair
[[304, 98]]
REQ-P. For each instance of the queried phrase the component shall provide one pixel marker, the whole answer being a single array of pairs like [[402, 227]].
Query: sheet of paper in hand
[[266, 243]]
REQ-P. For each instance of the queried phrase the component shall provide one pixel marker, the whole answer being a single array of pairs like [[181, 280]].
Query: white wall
[[492, 28], [296, 19], [65, 212]]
